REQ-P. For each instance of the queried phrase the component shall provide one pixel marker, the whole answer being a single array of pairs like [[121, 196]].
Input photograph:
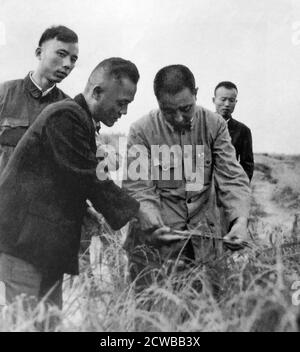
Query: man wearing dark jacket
[[44, 187], [225, 101], [22, 100]]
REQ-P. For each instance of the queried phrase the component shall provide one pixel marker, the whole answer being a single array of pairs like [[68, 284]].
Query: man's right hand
[[149, 221], [162, 237], [160, 233], [152, 225]]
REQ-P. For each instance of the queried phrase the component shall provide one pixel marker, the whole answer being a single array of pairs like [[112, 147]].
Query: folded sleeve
[[139, 184]]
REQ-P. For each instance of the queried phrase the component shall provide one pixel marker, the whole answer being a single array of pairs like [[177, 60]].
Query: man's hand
[[149, 221], [93, 214], [237, 237], [156, 232], [161, 234], [162, 237]]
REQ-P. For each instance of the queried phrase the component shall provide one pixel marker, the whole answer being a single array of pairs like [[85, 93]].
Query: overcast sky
[[255, 44]]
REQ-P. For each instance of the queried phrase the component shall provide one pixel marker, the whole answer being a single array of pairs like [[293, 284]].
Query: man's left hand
[[237, 237]]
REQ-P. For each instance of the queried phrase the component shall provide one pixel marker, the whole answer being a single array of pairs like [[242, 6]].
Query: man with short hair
[[51, 174], [241, 138], [22, 100], [174, 189]]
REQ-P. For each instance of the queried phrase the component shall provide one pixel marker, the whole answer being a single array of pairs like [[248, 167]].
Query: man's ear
[[213, 99], [38, 52], [196, 92], [97, 92]]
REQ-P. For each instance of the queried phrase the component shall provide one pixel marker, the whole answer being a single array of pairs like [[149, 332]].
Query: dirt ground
[[276, 192]]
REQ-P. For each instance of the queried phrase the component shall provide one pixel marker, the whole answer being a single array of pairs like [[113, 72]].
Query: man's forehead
[[184, 97], [58, 44], [226, 92], [124, 87]]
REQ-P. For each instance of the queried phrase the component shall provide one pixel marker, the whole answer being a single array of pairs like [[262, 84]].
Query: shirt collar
[[97, 126], [167, 123], [44, 93], [172, 128], [227, 121]]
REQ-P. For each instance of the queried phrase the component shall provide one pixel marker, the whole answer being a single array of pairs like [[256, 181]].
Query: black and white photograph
[[149, 168]]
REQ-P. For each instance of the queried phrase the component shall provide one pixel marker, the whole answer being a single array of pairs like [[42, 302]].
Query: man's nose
[[178, 117], [124, 110], [67, 63], [227, 103]]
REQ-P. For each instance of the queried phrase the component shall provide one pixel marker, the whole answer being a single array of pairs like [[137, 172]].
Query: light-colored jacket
[[186, 202]]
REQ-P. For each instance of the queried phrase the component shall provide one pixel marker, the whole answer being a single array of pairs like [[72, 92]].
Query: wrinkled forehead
[[223, 92], [122, 87], [58, 44], [182, 98]]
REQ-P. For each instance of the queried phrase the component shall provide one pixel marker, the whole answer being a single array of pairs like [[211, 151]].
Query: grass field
[[257, 290]]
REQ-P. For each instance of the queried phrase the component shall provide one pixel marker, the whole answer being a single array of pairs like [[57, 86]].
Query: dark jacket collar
[[33, 89], [80, 100], [231, 122]]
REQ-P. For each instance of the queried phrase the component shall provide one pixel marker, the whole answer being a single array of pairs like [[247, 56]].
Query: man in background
[[22, 100], [225, 100]]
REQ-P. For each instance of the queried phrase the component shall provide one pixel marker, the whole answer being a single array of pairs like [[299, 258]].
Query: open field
[[256, 292]]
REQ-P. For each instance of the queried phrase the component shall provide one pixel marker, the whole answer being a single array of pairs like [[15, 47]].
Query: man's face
[[113, 101], [178, 109], [57, 59], [225, 100]]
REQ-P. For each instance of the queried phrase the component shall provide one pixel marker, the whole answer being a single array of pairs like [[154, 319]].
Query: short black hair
[[119, 68], [61, 33], [173, 79], [227, 85]]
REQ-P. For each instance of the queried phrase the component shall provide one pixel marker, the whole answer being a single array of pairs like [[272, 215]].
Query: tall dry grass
[[253, 295], [250, 293]]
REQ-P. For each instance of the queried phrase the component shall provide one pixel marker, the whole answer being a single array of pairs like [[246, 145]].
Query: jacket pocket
[[12, 130], [12, 122], [50, 212], [52, 247], [207, 165], [167, 173]]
